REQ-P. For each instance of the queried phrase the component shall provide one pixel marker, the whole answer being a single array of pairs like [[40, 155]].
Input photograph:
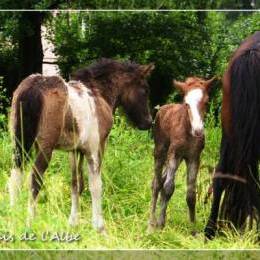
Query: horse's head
[[196, 96], [134, 96]]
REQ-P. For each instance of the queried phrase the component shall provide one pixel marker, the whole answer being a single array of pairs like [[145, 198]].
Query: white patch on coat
[[14, 185], [193, 98], [83, 108]]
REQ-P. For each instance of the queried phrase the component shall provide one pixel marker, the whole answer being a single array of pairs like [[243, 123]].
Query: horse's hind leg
[[41, 164], [50, 127], [218, 188], [15, 184], [168, 185], [16, 178], [159, 160], [76, 162]]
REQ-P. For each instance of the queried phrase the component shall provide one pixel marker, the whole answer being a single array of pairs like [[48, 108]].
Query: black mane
[[103, 69]]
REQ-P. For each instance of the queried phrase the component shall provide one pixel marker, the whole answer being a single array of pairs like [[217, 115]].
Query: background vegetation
[[180, 44]]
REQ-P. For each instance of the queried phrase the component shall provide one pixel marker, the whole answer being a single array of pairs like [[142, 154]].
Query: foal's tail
[[244, 151], [27, 106]]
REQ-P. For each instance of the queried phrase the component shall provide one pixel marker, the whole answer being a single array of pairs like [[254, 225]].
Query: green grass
[[127, 172]]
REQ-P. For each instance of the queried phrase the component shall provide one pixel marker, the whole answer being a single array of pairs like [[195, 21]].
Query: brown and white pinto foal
[[178, 135], [77, 117]]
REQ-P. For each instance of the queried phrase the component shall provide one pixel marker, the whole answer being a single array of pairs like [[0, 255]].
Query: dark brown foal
[[77, 117], [178, 135]]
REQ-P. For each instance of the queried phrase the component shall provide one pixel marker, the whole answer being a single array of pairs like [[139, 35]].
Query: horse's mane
[[192, 80], [103, 69]]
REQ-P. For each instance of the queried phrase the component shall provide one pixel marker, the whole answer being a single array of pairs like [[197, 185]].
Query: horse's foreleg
[[168, 186], [218, 186], [192, 172], [76, 170], [41, 164], [211, 226], [95, 186]]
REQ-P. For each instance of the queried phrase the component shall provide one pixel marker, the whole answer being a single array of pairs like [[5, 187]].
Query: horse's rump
[[28, 108]]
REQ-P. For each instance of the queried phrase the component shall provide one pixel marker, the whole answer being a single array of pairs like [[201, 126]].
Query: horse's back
[[37, 85], [39, 82], [169, 114]]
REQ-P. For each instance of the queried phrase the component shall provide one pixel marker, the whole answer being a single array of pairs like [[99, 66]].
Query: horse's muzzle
[[146, 124]]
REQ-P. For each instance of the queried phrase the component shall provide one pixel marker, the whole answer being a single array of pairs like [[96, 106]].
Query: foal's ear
[[146, 70], [181, 86], [208, 83]]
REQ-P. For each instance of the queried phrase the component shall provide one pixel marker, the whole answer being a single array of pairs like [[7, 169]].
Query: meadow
[[127, 174]]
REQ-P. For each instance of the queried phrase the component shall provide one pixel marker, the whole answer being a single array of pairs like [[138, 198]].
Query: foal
[[178, 135], [77, 117]]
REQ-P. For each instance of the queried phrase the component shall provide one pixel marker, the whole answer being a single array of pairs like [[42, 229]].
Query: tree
[[25, 35], [175, 41]]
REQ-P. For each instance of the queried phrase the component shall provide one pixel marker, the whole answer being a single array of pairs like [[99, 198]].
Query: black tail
[[27, 106], [245, 107], [242, 150]]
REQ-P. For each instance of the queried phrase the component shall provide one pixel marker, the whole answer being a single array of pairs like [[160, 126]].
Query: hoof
[[102, 231], [98, 225], [160, 225], [194, 233], [151, 228], [73, 220], [209, 232]]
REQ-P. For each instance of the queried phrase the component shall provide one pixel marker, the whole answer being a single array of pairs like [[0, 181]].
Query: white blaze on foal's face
[[193, 98]]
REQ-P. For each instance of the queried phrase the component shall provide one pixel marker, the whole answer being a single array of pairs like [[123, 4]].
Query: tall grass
[[127, 173]]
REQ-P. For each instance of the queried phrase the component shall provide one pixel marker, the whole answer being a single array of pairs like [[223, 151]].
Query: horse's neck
[[110, 94]]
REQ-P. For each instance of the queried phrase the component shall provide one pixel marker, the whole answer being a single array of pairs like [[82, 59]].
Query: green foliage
[[177, 42], [3, 106], [133, 4], [234, 34]]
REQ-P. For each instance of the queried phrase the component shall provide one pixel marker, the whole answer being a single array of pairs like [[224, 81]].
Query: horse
[[76, 117], [179, 135], [236, 174]]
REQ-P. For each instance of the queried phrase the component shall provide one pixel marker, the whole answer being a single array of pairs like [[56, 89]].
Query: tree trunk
[[30, 43]]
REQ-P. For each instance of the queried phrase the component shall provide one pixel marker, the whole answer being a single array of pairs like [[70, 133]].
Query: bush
[[3, 106]]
